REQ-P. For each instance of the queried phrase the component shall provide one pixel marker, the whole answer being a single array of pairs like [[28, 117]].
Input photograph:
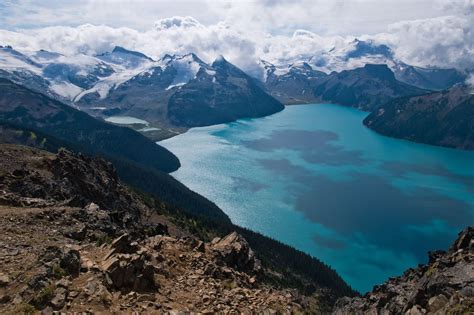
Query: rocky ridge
[[444, 286]]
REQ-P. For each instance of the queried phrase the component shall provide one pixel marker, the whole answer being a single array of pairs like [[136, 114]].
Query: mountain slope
[[220, 95], [366, 88], [442, 118], [24, 108], [293, 84], [426, 78], [59, 76], [115, 240]]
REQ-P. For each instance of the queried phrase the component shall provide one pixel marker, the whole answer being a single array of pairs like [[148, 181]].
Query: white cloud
[[176, 22], [245, 31], [443, 41]]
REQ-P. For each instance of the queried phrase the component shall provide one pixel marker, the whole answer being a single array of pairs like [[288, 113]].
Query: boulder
[[71, 261], [415, 310], [129, 267], [59, 298], [129, 272], [235, 252]]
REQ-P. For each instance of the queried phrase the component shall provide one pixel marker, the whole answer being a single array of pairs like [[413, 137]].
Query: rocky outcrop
[[234, 251], [445, 285], [128, 268], [41, 179]]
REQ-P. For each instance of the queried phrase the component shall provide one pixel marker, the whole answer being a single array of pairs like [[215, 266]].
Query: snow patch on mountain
[[12, 60], [186, 67], [65, 89], [103, 87], [126, 58]]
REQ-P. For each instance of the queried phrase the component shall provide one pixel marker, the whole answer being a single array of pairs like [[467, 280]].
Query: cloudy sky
[[421, 32]]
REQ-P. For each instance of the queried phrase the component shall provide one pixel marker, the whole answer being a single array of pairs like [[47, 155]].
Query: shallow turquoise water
[[314, 177]]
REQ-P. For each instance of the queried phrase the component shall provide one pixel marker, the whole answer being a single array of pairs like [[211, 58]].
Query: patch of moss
[[58, 272]]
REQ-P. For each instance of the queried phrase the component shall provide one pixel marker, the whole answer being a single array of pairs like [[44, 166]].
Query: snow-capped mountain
[[183, 90], [19, 68], [68, 78], [305, 81], [293, 83], [126, 58], [358, 53], [126, 65], [365, 87]]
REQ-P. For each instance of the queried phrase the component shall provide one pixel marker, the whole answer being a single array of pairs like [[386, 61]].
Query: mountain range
[[363, 74], [174, 93]]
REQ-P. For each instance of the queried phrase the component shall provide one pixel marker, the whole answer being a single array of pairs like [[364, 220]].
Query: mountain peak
[[381, 71], [119, 49], [191, 57], [220, 60], [363, 48]]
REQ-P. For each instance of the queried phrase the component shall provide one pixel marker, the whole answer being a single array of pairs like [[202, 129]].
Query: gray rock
[[129, 272], [59, 299], [71, 261], [234, 250]]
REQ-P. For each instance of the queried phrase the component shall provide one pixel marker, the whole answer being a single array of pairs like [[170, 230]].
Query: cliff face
[[74, 238], [443, 118], [444, 286]]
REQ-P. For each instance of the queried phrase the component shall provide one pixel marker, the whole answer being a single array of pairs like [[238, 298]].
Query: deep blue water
[[314, 177]]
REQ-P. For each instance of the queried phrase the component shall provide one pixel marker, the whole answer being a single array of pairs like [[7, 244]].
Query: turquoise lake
[[313, 177]]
